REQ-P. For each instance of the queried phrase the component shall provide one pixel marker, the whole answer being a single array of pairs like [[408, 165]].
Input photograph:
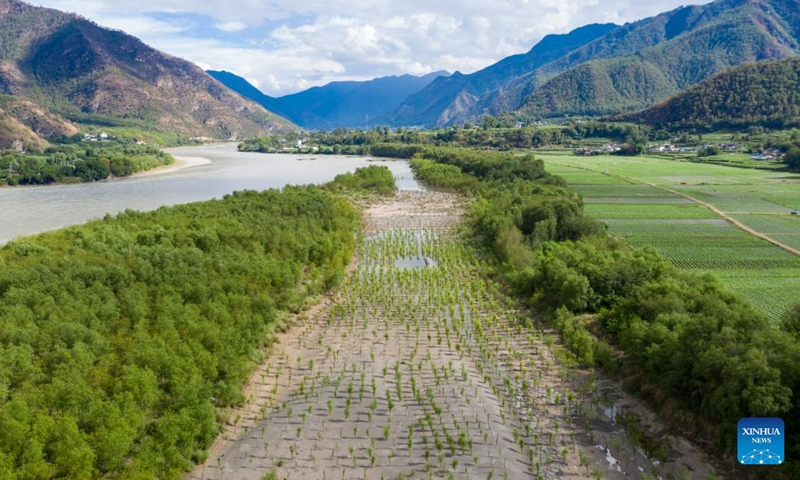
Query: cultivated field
[[691, 235], [420, 368]]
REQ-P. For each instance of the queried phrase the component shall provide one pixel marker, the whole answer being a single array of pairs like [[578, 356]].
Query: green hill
[[765, 93]]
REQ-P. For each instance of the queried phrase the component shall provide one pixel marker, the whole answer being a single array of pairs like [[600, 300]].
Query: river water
[[29, 210]]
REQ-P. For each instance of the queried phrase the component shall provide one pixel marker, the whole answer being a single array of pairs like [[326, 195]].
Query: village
[[95, 137], [708, 149]]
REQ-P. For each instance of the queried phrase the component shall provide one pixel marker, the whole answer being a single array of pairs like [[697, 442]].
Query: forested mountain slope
[[765, 93]]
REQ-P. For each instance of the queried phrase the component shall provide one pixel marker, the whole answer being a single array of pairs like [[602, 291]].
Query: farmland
[[691, 235]]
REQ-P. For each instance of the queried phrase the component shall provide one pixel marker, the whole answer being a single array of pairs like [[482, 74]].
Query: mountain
[[72, 67], [445, 99], [625, 68], [337, 104], [690, 44], [26, 125], [247, 90], [765, 93]]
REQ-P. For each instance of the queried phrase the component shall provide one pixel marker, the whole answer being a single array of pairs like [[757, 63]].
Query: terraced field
[[691, 235], [420, 368]]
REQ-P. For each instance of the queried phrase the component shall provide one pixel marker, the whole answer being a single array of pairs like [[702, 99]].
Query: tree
[[792, 321], [709, 151], [792, 157]]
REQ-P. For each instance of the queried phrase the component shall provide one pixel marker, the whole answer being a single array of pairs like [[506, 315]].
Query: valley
[[311, 252]]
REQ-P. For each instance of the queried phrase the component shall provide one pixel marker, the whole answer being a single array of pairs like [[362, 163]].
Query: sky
[[285, 46]]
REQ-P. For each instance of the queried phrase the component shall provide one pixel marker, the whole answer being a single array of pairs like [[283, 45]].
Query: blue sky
[[284, 46]]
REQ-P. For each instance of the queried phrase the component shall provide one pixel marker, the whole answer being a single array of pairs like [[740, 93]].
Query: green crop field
[[663, 171], [750, 198], [790, 240], [580, 177], [771, 224], [689, 234], [739, 160], [647, 210], [620, 190], [634, 200]]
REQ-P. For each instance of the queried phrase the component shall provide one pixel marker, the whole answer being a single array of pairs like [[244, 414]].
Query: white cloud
[[145, 27], [302, 43], [232, 26]]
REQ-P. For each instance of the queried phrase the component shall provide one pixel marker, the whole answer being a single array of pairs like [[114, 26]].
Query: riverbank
[[53, 206], [181, 163]]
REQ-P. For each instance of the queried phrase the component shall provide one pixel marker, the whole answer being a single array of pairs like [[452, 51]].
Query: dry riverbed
[[419, 368]]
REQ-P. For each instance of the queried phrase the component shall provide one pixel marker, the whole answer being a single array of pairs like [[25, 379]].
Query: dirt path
[[420, 368]]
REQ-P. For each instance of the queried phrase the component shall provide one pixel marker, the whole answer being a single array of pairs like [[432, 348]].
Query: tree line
[[764, 94], [343, 141], [404, 143]]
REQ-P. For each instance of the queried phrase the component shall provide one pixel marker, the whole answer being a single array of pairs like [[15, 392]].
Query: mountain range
[[59, 71], [602, 69], [337, 104], [67, 69]]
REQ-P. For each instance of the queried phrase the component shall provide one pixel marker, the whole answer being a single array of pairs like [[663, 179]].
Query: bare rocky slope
[[76, 69]]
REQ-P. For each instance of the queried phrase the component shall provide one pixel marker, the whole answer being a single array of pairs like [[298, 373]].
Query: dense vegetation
[[600, 88], [491, 133], [765, 94], [373, 179], [707, 350], [121, 339], [80, 162]]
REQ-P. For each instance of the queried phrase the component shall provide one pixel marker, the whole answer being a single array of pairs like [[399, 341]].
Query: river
[[29, 210]]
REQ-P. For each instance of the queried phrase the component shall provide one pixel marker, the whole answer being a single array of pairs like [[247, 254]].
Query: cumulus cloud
[[290, 45]]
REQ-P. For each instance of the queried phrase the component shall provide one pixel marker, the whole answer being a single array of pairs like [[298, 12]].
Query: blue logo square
[[761, 441]]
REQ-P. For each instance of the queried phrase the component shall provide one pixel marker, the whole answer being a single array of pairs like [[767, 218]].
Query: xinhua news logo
[[761, 441]]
